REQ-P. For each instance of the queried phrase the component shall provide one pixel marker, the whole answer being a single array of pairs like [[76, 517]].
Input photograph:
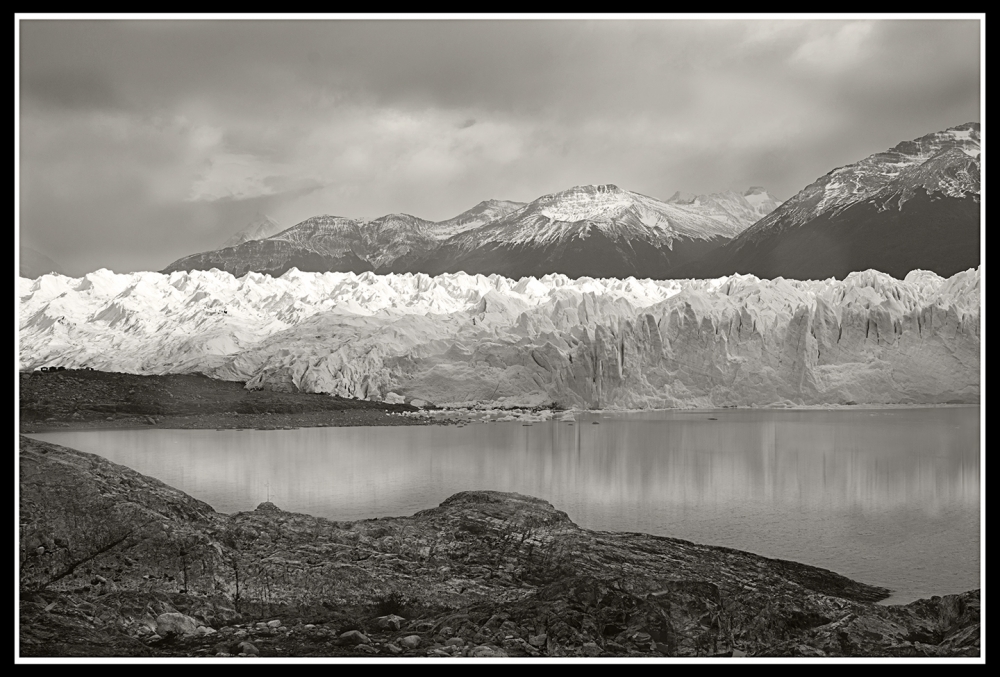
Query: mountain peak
[[483, 213], [915, 205], [682, 198], [965, 137], [578, 203], [965, 126], [260, 227]]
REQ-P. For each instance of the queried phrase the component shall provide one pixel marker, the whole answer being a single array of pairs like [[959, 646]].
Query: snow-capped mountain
[[461, 339], [596, 231], [485, 212], [262, 226], [32, 263], [914, 206]]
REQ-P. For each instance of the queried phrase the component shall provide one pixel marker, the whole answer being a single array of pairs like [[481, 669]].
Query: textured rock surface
[[175, 624], [455, 339], [483, 574]]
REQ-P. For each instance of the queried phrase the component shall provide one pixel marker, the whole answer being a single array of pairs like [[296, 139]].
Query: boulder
[[175, 624], [390, 622], [354, 637], [248, 649], [410, 641]]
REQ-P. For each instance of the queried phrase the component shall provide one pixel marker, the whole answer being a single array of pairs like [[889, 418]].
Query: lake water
[[885, 496]]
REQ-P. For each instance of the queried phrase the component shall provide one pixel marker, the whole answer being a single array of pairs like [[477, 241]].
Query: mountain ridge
[[634, 235], [913, 206]]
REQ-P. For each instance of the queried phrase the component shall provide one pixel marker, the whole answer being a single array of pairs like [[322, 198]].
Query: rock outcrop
[[483, 574]]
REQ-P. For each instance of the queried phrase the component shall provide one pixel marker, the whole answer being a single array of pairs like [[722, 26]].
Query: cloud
[[72, 89], [839, 49], [146, 140]]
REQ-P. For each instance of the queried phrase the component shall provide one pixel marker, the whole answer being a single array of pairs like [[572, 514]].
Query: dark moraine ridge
[[114, 563], [80, 398]]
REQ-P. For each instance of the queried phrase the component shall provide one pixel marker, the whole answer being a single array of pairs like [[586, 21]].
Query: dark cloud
[[71, 89], [141, 141]]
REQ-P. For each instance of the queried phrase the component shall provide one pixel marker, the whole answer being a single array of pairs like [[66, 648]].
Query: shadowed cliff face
[[109, 557]]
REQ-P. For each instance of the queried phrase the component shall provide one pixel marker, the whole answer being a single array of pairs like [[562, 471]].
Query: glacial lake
[[890, 497]]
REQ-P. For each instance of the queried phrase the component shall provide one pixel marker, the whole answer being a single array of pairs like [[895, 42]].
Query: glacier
[[463, 340]]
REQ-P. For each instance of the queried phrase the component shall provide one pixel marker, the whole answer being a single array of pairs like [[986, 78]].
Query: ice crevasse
[[459, 339]]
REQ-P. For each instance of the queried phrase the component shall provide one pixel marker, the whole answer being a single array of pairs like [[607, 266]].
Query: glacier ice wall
[[595, 343]]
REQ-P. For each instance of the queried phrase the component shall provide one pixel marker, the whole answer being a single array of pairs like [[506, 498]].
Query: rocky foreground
[[114, 563]]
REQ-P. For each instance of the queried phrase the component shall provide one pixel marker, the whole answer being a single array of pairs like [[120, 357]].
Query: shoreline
[[79, 400], [483, 574], [377, 417], [364, 417]]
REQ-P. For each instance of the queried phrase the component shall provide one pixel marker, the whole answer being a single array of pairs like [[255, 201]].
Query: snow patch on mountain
[[456, 339], [485, 212]]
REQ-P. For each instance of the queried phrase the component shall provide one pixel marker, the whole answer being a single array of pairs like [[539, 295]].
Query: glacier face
[[461, 339]]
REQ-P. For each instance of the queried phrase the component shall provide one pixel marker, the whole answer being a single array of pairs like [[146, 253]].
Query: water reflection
[[890, 497]]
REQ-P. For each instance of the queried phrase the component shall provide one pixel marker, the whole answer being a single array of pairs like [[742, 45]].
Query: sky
[[142, 141]]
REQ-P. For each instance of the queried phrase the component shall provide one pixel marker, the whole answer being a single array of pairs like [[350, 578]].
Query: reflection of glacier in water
[[887, 496]]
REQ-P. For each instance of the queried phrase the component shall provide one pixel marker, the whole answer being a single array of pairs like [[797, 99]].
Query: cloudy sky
[[144, 141]]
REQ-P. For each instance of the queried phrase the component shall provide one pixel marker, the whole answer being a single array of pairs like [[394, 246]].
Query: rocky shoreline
[[114, 563]]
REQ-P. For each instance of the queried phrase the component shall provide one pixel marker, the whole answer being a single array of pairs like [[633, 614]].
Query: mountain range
[[913, 206], [597, 231]]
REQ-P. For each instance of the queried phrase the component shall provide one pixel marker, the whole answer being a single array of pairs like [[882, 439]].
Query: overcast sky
[[144, 141]]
